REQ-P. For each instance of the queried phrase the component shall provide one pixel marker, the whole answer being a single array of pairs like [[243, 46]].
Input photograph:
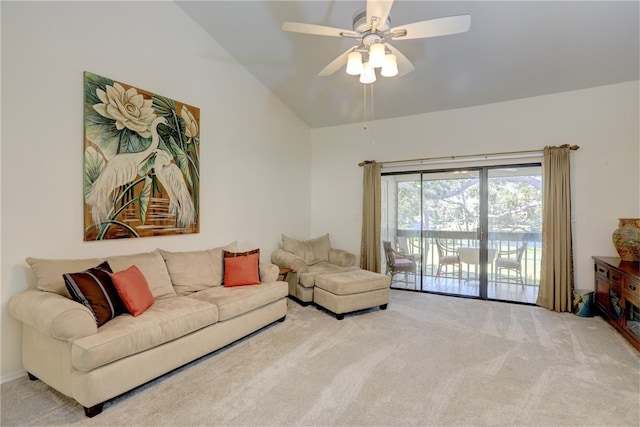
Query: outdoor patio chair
[[398, 263], [510, 260], [447, 257]]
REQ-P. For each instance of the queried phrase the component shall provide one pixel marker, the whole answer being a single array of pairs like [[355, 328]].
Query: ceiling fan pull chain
[[371, 118], [364, 105]]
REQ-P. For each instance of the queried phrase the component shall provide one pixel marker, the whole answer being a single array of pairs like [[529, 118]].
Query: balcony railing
[[423, 242]]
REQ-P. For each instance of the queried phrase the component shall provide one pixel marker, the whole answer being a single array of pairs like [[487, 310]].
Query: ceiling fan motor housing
[[361, 25]]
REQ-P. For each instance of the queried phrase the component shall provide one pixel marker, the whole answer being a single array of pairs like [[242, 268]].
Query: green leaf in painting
[[163, 106], [104, 136], [93, 165], [144, 168], [144, 199], [132, 142]]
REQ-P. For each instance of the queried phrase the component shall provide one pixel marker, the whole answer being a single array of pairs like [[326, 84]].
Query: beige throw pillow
[[320, 247], [312, 251]]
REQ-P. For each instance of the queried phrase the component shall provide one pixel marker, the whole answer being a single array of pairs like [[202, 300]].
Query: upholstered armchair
[[307, 259]]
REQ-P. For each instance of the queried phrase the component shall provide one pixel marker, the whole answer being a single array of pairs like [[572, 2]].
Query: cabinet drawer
[[602, 270], [632, 287], [616, 277]]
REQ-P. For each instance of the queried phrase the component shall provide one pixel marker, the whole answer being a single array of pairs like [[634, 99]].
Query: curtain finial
[[367, 162]]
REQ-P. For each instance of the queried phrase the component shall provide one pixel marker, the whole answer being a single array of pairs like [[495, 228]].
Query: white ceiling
[[514, 49]]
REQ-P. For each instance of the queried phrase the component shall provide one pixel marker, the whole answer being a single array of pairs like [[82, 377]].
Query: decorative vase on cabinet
[[626, 239]]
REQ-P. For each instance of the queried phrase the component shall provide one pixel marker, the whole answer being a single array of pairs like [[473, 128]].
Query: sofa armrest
[[53, 315], [282, 258], [268, 272], [341, 258]]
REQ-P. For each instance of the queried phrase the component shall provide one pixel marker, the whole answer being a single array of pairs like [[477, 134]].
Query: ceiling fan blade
[[336, 64], [318, 30], [433, 27], [380, 9], [404, 65]]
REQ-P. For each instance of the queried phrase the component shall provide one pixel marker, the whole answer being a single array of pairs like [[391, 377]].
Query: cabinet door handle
[[632, 287]]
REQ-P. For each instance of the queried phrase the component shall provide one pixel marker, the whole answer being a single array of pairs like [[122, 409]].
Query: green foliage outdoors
[[515, 204]]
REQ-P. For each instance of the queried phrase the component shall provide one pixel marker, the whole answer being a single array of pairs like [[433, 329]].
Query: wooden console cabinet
[[617, 295]]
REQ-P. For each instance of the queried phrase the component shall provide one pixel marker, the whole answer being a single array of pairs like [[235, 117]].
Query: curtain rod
[[465, 156]]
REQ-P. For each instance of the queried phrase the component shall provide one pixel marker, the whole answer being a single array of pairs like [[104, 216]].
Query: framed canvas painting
[[141, 162]]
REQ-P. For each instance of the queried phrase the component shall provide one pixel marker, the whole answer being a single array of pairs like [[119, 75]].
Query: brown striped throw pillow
[[94, 289]]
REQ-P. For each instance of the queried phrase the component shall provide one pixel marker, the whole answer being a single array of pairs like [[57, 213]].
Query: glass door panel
[[450, 219], [515, 232], [400, 230]]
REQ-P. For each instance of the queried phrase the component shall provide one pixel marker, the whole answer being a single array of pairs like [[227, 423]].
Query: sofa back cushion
[[152, 266], [49, 272], [194, 271], [312, 251]]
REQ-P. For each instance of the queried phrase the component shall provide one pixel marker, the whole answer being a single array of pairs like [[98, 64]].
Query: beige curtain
[[556, 276], [370, 242]]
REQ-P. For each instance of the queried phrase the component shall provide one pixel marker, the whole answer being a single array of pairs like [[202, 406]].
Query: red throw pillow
[[133, 290], [241, 268]]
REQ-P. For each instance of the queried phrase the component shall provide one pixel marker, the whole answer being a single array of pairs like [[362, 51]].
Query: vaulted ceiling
[[514, 49]]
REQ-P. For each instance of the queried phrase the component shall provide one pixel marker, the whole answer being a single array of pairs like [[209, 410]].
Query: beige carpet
[[427, 360]]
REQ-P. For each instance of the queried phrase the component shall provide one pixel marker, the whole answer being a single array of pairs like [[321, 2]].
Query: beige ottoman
[[350, 291]]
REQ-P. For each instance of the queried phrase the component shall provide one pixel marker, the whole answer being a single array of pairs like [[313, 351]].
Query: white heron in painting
[[171, 178], [120, 170]]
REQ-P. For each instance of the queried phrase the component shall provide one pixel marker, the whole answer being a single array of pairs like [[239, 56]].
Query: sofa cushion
[[49, 272], [166, 320], [218, 260], [298, 247], [308, 278], [152, 266], [352, 282], [312, 251], [94, 289], [187, 279], [320, 246], [133, 290], [235, 301]]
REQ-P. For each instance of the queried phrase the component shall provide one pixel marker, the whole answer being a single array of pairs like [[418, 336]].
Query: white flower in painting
[[191, 126], [128, 108]]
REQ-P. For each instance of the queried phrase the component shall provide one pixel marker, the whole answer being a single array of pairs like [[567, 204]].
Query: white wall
[[603, 121], [254, 151]]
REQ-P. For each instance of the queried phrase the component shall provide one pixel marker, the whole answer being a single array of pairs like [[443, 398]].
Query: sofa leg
[[94, 410], [383, 307], [31, 376], [282, 318]]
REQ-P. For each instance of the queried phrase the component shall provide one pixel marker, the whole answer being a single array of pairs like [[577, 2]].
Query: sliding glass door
[[515, 231], [472, 232]]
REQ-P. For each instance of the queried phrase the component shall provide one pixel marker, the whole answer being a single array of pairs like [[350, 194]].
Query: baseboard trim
[[13, 376]]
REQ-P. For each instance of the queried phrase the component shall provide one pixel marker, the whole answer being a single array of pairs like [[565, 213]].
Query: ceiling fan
[[372, 29]]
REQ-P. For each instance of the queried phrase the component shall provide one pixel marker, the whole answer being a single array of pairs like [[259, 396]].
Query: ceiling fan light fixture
[[390, 66], [376, 55], [368, 74], [354, 64]]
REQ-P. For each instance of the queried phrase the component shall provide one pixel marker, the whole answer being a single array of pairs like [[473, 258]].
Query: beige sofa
[[308, 259], [191, 316]]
